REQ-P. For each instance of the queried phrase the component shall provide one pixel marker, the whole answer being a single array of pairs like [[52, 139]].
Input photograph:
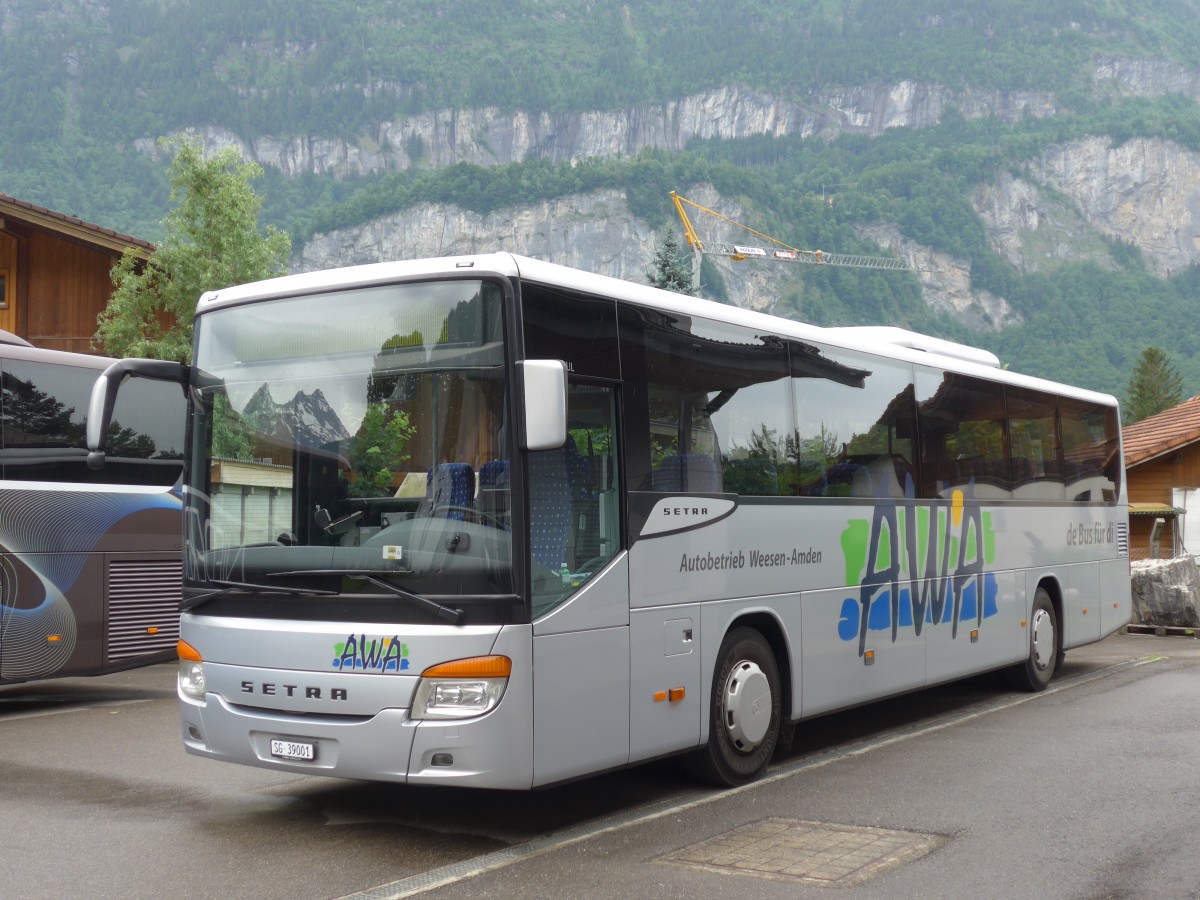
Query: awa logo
[[370, 654], [918, 564]]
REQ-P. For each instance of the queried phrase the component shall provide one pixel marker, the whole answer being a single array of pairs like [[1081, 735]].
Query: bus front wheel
[[745, 712], [1044, 654]]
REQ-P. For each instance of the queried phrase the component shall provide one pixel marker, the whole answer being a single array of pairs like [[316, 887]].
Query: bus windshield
[[353, 443]]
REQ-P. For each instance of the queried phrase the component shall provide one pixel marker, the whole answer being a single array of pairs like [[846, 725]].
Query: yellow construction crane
[[781, 251]]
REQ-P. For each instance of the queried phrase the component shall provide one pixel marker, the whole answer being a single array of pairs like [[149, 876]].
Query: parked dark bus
[[90, 560]]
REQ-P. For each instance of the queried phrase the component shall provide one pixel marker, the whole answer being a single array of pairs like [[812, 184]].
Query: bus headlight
[[191, 672], [191, 679], [461, 689]]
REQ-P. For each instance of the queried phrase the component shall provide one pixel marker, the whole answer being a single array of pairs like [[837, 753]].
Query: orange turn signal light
[[471, 667], [187, 651]]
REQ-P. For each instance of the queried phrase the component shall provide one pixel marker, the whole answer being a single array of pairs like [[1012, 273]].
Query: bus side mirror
[[545, 397], [104, 396]]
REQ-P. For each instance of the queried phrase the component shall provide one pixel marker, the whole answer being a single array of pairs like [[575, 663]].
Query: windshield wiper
[[450, 614], [453, 616], [247, 587]]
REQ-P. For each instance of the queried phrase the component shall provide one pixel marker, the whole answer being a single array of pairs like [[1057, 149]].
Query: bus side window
[[718, 404], [964, 433], [42, 427], [1090, 451], [1037, 469], [855, 424]]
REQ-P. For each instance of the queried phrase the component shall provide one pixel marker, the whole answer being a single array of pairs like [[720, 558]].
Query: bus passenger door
[[580, 587]]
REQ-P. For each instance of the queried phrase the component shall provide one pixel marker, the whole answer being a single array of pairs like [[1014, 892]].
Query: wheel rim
[[1042, 636], [747, 705]]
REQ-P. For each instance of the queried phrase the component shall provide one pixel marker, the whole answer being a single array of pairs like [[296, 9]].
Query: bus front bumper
[[387, 746]]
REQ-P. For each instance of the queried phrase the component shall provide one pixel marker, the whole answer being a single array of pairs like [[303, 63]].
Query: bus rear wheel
[[745, 712], [1044, 654]]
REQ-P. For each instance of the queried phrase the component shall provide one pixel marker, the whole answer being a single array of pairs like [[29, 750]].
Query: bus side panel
[[1082, 607], [580, 703], [664, 657], [56, 576], [50, 631], [1116, 602], [839, 667], [985, 638]]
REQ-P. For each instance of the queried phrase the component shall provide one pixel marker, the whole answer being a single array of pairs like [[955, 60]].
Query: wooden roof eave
[[77, 229], [1162, 448]]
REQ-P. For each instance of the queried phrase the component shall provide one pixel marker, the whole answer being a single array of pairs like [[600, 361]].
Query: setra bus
[[492, 522], [91, 561]]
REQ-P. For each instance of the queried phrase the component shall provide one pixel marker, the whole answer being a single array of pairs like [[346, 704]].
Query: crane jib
[[812, 257], [783, 252]]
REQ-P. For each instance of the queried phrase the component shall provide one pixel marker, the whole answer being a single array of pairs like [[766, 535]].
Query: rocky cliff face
[[1070, 203], [489, 136], [945, 281], [1145, 192], [1073, 199], [596, 232], [1078, 195]]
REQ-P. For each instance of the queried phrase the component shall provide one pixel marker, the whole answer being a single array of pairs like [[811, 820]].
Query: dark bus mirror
[[545, 398], [104, 396]]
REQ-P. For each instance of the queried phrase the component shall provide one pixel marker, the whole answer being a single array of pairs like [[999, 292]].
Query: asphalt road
[[1084, 791]]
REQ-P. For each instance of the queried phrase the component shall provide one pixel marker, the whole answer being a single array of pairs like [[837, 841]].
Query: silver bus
[[492, 522], [91, 562]]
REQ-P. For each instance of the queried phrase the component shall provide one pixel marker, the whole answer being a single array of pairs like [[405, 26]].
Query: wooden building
[[1162, 464], [54, 274]]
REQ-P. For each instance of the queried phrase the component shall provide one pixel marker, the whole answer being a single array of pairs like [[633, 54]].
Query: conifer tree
[[1155, 386], [672, 266]]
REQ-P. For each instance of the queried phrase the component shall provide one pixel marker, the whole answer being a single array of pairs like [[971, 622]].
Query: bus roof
[[7, 337], [27, 351], [896, 343]]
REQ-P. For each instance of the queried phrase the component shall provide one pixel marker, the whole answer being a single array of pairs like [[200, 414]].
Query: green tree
[[234, 435], [672, 266], [1155, 385], [379, 450], [212, 242]]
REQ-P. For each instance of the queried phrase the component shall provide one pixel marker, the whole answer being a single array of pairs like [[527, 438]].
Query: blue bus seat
[[449, 491]]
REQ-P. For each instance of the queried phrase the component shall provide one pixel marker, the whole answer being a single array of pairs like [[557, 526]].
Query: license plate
[[293, 750]]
